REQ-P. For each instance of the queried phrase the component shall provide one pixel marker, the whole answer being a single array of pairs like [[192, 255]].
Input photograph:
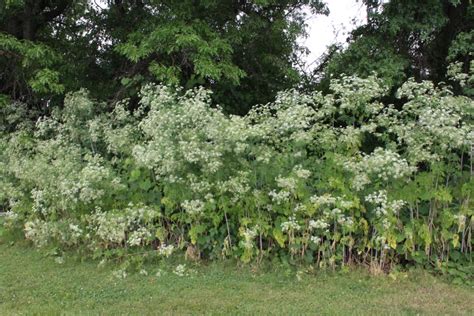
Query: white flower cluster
[[120, 274], [322, 200], [112, 227], [290, 225], [315, 239], [198, 186], [431, 123], [318, 224], [75, 232], [39, 202], [238, 186], [180, 270], [139, 237], [301, 173], [186, 134], [382, 164], [11, 219], [165, 250], [461, 221], [355, 93], [299, 208], [109, 228], [383, 206], [93, 173], [344, 204], [279, 197], [248, 237], [345, 221], [288, 183], [193, 207], [39, 232]]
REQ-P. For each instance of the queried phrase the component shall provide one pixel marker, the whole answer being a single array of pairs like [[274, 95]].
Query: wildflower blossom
[[59, 260], [138, 237], [291, 224], [120, 274], [180, 270], [248, 236], [302, 173], [318, 224], [325, 199], [288, 183], [279, 197], [193, 207], [165, 250]]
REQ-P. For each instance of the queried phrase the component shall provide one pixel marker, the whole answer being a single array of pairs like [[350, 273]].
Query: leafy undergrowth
[[328, 180], [32, 283]]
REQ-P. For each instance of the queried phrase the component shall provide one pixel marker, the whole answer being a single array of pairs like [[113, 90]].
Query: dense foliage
[[330, 179], [102, 154], [405, 38], [245, 51]]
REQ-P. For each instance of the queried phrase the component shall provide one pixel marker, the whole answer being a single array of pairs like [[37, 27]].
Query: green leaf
[[279, 237], [135, 174]]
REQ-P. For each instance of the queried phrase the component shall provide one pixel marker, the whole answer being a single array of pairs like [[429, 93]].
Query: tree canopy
[[404, 39], [245, 51]]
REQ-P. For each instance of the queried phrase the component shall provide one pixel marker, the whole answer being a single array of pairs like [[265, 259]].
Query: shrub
[[327, 179]]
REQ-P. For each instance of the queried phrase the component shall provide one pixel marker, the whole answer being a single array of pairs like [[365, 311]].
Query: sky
[[323, 30]]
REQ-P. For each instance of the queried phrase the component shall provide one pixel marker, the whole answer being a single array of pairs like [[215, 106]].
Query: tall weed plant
[[329, 180]]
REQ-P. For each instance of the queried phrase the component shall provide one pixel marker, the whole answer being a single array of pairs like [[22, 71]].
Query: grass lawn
[[31, 283]]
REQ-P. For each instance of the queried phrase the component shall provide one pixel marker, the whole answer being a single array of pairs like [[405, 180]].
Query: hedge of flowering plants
[[329, 180]]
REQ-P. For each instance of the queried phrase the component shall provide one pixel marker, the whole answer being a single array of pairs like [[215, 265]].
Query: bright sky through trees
[[344, 16]]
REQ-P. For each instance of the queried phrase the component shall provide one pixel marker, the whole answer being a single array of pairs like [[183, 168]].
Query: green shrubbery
[[326, 179]]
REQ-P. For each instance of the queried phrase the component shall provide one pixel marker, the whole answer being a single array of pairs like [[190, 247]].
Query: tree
[[406, 38], [26, 63], [244, 50]]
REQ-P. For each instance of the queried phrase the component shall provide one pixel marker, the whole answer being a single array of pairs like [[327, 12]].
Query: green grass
[[31, 283]]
